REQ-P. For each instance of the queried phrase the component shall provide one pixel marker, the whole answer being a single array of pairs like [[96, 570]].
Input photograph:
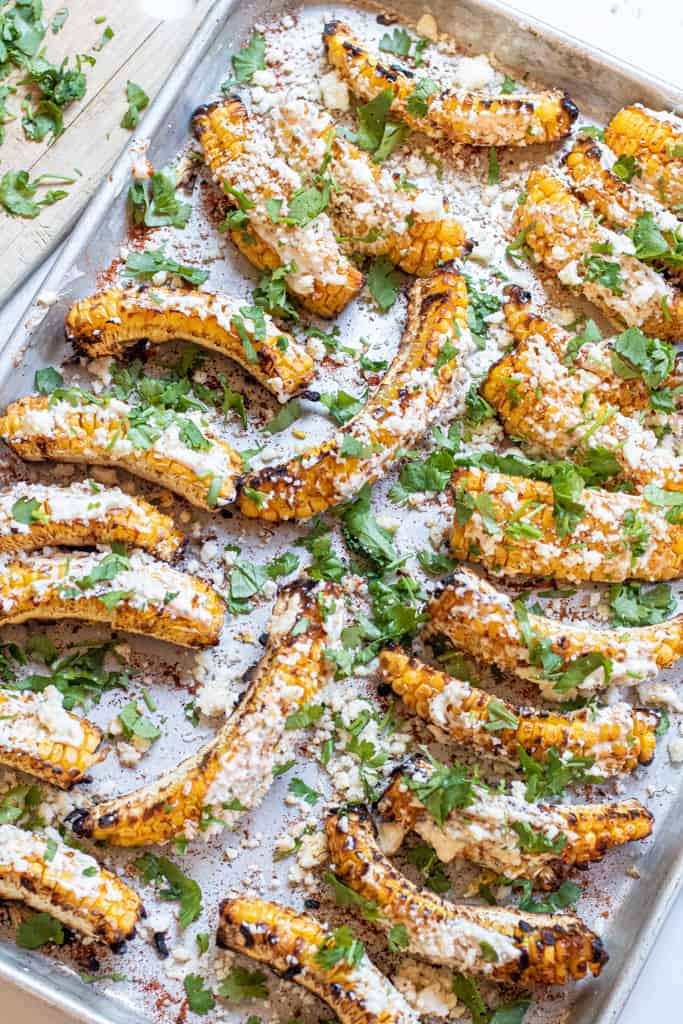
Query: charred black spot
[[245, 932], [515, 293], [354, 50], [161, 944], [400, 70], [548, 937], [331, 27], [386, 19], [79, 822], [226, 513], [429, 300], [385, 72], [311, 903], [203, 111], [291, 972], [118, 947], [598, 952], [384, 690], [310, 396], [568, 105], [263, 639], [524, 926]]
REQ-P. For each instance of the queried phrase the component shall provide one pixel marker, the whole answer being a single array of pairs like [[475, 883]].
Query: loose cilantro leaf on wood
[[39, 929], [17, 192], [199, 998], [138, 100], [383, 283]]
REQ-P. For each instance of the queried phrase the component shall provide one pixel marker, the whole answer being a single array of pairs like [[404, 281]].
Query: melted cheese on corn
[[30, 719], [81, 502], [76, 872]]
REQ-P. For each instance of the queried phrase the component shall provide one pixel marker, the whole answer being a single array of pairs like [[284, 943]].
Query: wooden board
[[144, 50]]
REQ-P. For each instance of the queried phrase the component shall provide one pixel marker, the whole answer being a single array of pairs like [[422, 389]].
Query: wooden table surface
[[143, 49]]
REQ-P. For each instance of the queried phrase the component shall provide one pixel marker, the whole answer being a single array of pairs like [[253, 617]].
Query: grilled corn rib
[[235, 768], [411, 227], [41, 515], [240, 154], [39, 737], [68, 884], [655, 140], [619, 204], [109, 322], [414, 389], [531, 949], [461, 117], [540, 399], [493, 829], [511, 529], [291, 943], [563, 236], [81, 430], [630, 395], [483, 622], [617, 738], [134, 593]]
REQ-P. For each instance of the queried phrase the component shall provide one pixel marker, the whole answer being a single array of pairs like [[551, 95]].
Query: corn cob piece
[[79, 430], [291, 943], [410, 395], [135, 593], [461, 117], [109, 322], [617, 738], [554, 409], [492, 830], [38, 515], [656, 141], [483, 622], [619, 203], [512, 530], [235, 768], [563, 236], [39, 737], [412, 228], [531, 949], [70, 885], [630, 395], [242, 160]]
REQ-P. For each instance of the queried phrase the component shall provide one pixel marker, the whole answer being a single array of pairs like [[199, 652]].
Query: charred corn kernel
[[513, 531], [492, 829], [483, 622], [562, 234], [80, 430], [375, 216], [291, 944], [619, 204], [106, 324], [39, 737], [422, 379], [530, 949], [132, 592], [239, 151], [41, 515], [655, 140], [631, 396], [618, 738], [69, 884], [235, 768], [554, 408], [463, 117]]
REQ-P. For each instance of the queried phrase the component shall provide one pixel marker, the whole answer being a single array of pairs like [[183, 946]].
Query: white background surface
[[649, 34]]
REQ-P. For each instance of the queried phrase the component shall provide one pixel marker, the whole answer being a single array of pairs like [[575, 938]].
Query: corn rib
[[617, 738], [82, 514], [410, 227], [134, 593], [483, 622], [656, 142], [530, 949], [540, 399], [80, 430], [511, 529], [107, 323], [474, 118], [562, 235], [39, 737], [630, 395], [290, 943], [619, 204], [492, 830], [70, 885], [234, 770], [419, 384], [240, 154]]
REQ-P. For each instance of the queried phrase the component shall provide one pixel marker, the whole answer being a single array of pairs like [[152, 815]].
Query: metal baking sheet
[[627, 911]]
